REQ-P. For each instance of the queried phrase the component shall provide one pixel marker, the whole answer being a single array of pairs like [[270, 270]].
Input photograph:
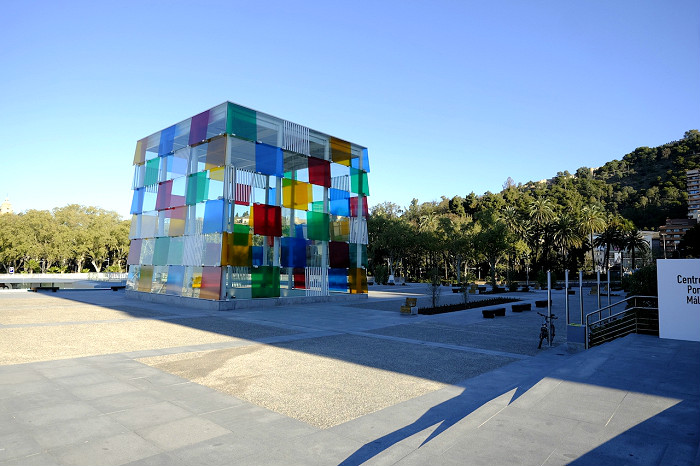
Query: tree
[[632, 241], [689, 246], [592, 221], [492, 240]]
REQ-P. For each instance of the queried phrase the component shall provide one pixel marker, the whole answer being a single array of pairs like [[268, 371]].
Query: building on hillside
[[693, 187], [237, 204], [672, 233], [6, 207]]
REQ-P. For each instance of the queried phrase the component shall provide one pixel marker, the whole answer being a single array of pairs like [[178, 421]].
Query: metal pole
[[580, 292], [566, 295], [609, 288], [549, 307], [598, 277]]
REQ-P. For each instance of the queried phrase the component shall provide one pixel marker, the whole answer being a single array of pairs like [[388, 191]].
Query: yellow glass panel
[[340, 151], [217, 173], [296, 194], [197, 280], [140, 153], [145, 278], [340, 229], [358, 281]]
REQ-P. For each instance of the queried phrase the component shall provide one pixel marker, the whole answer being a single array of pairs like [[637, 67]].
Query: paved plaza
[[90, 377]]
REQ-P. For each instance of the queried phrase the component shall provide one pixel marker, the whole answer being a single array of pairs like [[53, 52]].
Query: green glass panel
[[353, 256], [358, 181], [317, 206], [152, 167], [317, 226], [160, 252], [266, 282], [242, 122], [197, 188]]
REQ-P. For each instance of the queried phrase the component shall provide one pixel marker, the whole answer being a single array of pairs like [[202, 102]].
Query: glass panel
[[267, 220], [212, 250], [149, 224], [318, 145], [217, 121], [152, 171], [353, 256], [176, 276], [296, 194], [268, 160], [358, 281], [178, 192], [340, 151], [163, 199], [338, 280], [132, 280], [319, 172], [150, 196], [293, 252], [177, 221], [198, 129], [194, 248], [242, 122], [353, 207], [213, 216], [317, 226], [140, 153], [242, 154], [145, 278], [152, 144], [340, 207], [211, 283], [167, 137], [137, 201], [338, 254], [340, 229], [182, 134], [197, 188], [134, 252], [358, 182], [216, 153], [160, 253], [160, 275], [266, 282], [176, 164], [147, 246], [176, 250], [134, 229], [269, 130]]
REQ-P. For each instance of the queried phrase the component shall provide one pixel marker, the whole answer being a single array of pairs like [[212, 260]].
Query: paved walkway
[[93, 378]]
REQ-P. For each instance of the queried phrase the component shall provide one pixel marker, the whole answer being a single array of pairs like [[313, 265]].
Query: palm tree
[[541, 214], [567, 234], [592, 221], [611, 236], [633, 240]]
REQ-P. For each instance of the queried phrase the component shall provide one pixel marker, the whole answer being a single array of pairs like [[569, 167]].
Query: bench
[[542, 303], [118, 287], [489, 313], [571, 291], [407, 308], [45, 288], [520, 307], [500, 311]]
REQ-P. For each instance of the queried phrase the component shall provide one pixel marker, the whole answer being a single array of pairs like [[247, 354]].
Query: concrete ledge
[[212, 305]]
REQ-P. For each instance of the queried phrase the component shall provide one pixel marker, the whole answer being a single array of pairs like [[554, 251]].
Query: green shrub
[[381, 274], [642, 282]]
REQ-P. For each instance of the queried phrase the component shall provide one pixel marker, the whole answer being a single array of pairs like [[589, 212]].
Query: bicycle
[[545, 329]]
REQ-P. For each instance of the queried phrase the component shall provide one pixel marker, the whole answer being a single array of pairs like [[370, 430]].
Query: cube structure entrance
[[235, 203]]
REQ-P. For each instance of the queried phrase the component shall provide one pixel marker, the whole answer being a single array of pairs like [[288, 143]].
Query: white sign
[[679, 298], [12, 270]]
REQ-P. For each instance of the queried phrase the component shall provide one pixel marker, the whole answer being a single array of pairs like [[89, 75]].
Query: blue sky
[[450, 97]]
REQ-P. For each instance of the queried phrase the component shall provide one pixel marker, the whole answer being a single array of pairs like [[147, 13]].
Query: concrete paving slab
[[638, 396], [182, 432], [110, 451]]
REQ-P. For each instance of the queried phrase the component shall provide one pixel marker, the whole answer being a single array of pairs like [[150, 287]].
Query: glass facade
[[235, 203]]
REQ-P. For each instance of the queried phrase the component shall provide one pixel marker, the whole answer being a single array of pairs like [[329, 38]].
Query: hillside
[[646, 186]]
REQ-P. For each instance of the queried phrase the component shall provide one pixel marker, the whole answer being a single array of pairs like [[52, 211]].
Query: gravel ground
[[330, 380]]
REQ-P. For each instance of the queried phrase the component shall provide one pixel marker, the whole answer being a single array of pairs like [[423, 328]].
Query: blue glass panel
[[338, 279], [257, 255], [293, 252], [176, 275], [213, 216], [137, 201], [299, 230], [335, 194], [268, 160], [340, 207], [167, 136], [365, 161]]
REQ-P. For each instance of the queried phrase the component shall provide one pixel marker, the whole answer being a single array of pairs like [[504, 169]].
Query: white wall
[[679, 298]]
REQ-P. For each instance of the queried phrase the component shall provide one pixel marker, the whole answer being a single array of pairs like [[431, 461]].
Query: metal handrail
[[611, 316]]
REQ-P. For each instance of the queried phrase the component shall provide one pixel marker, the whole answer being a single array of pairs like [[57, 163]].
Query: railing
[[641, 315]]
